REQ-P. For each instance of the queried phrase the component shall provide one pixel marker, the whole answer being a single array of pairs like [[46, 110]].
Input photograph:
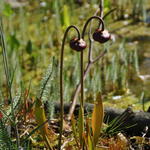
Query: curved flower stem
[[90, 62], [80, 86], [82, 80], [82, 36], [87, 22], [61, 81]]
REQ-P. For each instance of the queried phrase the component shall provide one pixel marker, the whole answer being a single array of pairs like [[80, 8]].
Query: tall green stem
[[61, 81]]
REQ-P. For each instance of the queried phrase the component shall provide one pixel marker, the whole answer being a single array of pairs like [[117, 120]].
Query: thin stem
[[61, 81], [83, 74], [82, 79], [99, 56], [82, 103], [78, 88], [82, 88], [87, 69], [82, 70], [90, 47], [90, 31], [83, 34], [87, 22], [101, 6], [109, 12]]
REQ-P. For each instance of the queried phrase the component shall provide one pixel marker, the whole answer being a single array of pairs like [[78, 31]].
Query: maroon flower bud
[[101, 36], [78, 44]]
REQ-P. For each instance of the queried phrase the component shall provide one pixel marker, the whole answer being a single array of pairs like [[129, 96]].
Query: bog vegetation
[[56, 52]]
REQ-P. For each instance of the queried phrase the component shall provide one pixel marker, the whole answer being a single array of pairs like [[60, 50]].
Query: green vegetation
[[31, 37]]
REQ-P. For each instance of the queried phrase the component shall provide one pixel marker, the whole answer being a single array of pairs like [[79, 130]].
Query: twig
[[78, 88]]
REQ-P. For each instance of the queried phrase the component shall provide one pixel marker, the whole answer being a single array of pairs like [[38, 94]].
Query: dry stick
[[87, 69], [78, 88]]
